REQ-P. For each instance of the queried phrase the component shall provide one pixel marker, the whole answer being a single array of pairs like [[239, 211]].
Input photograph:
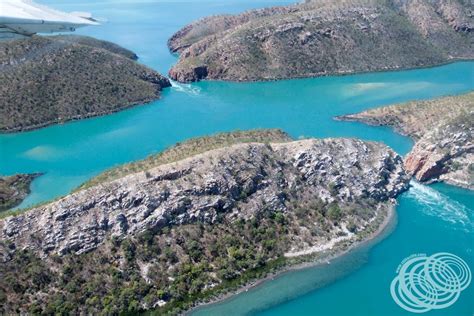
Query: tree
[[334, 212]]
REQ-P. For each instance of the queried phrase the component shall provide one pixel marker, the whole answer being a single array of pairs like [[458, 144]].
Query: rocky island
[[14, 189], [443, 130], [54, 79], [321, 37], [188, 224]]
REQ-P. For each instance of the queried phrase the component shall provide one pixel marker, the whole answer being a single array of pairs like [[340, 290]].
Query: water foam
[[434, 203], [185, 88]]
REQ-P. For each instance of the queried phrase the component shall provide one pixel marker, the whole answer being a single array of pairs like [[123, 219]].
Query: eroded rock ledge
[[322, 37], [48, 80], [443, 130]]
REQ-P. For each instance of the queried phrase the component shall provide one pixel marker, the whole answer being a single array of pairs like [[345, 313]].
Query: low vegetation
[[175, 267]]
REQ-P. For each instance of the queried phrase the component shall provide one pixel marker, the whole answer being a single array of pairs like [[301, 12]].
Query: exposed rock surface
[[443, 130], [48, 80], [170, 234], [323, 37], [14, 189], [239, 181]]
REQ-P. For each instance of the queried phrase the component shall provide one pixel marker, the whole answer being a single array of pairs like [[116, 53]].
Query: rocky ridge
[[323, 37], [48, 80], [239, 182], [443, 130], [174, 233]]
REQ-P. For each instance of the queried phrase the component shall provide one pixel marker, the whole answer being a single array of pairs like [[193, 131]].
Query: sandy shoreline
[[309, 261]]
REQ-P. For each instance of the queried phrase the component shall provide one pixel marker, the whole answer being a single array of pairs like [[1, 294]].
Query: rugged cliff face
[[171, 234], [443, 130], [48, 80], [324, 37], [14, 189]]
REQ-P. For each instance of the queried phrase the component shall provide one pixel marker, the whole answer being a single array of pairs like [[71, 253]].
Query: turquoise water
[[431, 219]]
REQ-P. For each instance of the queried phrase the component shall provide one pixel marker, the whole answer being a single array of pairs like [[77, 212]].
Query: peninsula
[[186, 225], [443, 130], [322, 37]]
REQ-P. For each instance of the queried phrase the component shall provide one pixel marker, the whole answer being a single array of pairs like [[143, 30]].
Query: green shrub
[[334, 212]]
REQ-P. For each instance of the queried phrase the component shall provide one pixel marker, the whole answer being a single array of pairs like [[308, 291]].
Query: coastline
[[23, 190], [390, 116], [454, 183], [335, 73], [76, 118], [151, 100], [385, 228]]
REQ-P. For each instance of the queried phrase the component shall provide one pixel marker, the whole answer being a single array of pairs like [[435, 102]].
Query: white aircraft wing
[[19, 18]]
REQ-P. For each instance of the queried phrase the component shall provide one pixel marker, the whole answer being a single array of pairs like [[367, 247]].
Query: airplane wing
[[20, 18]]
